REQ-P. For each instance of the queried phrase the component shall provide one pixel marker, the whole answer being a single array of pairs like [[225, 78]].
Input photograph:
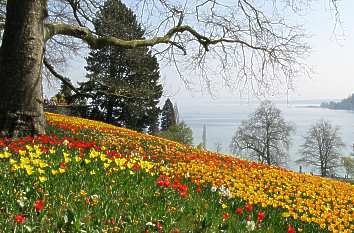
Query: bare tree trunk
[[323, 169], [109, 114], [268, 156], [21, 55]]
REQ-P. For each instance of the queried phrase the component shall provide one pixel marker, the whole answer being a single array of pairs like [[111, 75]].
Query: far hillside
[[344, 104]]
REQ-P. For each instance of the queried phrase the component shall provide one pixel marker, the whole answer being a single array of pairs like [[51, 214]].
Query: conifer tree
[[168, 115], [123, 83]]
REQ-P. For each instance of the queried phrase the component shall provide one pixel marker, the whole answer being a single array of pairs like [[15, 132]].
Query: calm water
[[223, 117]]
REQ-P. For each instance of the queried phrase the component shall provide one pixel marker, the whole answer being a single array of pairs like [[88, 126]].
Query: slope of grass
[[87, 176]]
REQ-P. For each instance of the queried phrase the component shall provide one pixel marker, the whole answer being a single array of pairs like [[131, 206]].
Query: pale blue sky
[[331, 58]]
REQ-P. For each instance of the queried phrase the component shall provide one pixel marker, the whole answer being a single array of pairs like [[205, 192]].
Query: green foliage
[[168, 115], [348, 163], [81, 202], [123, 83], [200, 146], [179, 132]]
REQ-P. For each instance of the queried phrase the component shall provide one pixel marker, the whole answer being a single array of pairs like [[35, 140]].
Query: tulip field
[[88, 176]]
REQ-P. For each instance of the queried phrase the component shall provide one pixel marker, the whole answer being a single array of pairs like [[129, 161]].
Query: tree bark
[[21, 55]]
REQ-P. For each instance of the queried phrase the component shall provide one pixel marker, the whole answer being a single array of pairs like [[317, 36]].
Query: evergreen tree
[[154, 128], [168, 115], [123, 83]]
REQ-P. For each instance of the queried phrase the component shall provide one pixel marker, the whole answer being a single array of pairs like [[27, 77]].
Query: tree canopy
[[244, 42]]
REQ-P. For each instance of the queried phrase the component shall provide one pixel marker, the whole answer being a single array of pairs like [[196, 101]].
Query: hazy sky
[[332, 53], [332, 59]]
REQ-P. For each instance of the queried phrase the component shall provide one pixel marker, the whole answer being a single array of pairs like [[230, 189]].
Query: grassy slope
[[100, 178]]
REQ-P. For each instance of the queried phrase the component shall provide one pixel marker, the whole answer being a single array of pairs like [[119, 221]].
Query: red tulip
[[198, 190], [248, 218], [239, 211], [226, 216], [260, 216], [175, 185], [176, 230], [20, 218], [160, 183], [291, 229], [183, 194], [39, 205], [249, 208], [167, 183], [159, 226], [183, 187]]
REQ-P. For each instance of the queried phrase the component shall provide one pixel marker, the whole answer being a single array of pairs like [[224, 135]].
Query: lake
[[223, 117]]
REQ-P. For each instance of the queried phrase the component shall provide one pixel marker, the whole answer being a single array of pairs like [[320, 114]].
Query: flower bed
[[87, 175]]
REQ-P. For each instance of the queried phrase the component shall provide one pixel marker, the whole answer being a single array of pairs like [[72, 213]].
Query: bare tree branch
[[97, 42], [249, 44], [75, 5], [60, 77], [117, 93]]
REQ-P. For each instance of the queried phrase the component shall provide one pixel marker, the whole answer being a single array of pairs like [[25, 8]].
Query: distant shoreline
[[337, 109], [344, 104], [309, 106]]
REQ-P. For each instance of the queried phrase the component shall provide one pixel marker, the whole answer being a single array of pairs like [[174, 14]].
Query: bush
[[348, 163], [179, 132]]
